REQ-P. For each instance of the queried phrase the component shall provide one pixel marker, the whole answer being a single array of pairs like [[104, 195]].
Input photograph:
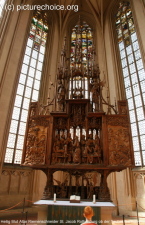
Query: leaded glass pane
[[33, 62], [11, 140], [31, 72], [135, 45], [141, 127], [30, 43], [142, 138], [142, 84], [140, 113], [130, 104], [139, 64], [125, 72], [132, 116], [124, 63], [26, 59], [16, 113], [22, 79], [20, 89], [36, 84], [129, 50], [132, 68], [130, 58], [134, 129], [133, 37], [138, 102], [20, 142], [18, 101], [9, 155], [134, 79], [136, 144], [144, 97], [29, 82], [14, 126], [136, 90], [41, 57], [28, 92], [34, 54], [121, 46], [38, 75], [129, 92], [26, 103], [137, 158], [122, 54], [39, 66], [141, 74], [18, 157], [24, 115], [24, 69], [137, 54], [42, 49], [28, 51], [127, 82], [35, 95], [22, 128], [143, 153]]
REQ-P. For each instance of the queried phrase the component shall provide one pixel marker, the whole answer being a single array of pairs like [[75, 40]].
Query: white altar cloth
[[97, 204]]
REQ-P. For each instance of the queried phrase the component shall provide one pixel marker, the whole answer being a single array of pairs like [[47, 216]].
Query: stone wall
[[19, 183]]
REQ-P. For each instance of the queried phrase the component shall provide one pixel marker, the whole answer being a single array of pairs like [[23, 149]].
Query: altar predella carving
[[78, 138]]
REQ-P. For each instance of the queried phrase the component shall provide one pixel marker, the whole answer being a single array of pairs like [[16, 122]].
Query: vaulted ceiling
[[95, 8]]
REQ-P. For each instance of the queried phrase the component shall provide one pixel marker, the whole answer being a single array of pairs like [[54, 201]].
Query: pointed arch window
[[134, 78], [28, 86], [81, 60]]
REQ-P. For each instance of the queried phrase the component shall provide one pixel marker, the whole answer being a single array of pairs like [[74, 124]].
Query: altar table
[[64, 212]]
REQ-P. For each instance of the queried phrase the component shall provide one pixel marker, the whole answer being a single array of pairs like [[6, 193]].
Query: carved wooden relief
[[35, 147], [119, 141]]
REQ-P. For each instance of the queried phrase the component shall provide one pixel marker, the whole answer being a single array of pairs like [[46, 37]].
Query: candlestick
[[54, 197], [94, 199]]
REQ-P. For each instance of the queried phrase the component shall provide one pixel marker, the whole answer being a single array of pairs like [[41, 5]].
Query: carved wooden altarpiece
[[80, 143], [78, 137]]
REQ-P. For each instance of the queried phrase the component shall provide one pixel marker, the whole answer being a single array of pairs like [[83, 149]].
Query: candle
[[54, 197], [94, 198]]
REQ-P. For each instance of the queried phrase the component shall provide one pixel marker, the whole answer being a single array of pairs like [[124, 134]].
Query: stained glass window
[[81, 62], [28, 86], [2, 2], [134, 77]]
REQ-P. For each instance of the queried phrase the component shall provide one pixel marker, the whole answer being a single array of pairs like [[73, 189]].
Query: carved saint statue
[[77, 152]]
